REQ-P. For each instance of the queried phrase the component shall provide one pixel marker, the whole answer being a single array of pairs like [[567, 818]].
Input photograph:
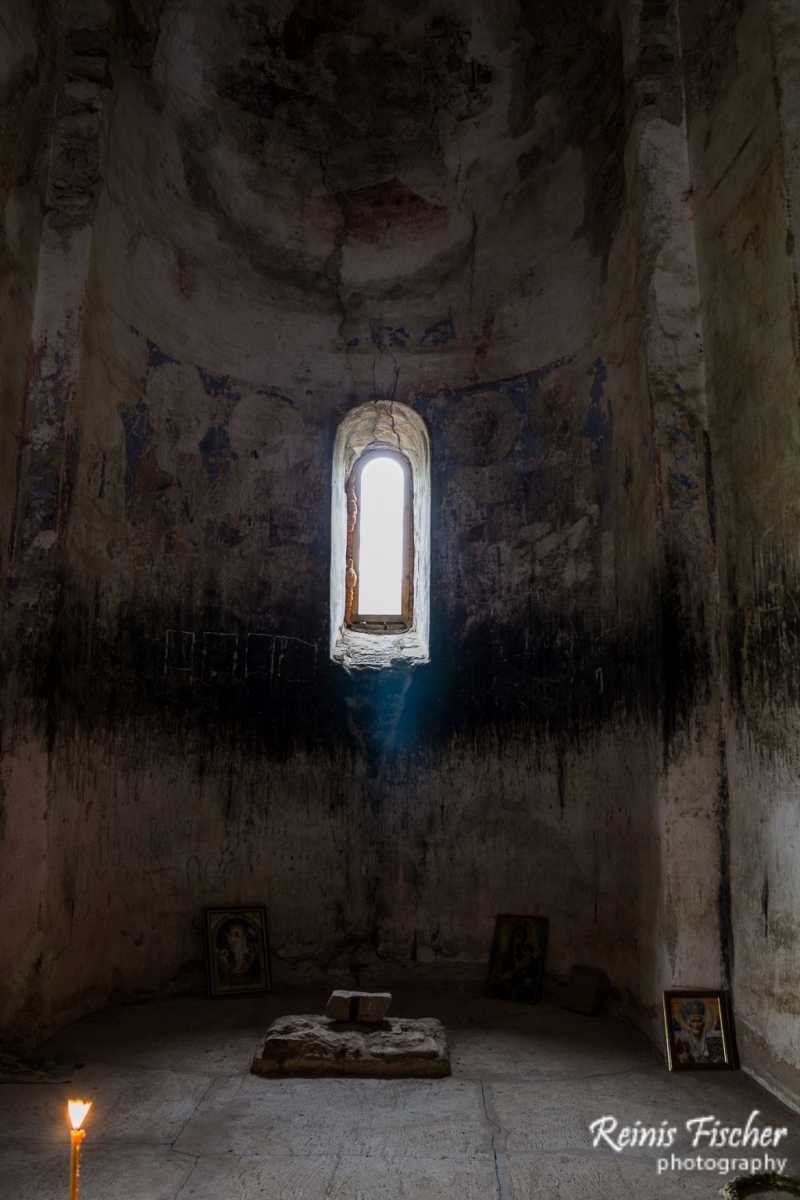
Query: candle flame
[[77, 1111]]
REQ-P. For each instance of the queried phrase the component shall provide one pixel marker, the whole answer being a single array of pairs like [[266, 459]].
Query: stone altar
[[314, 1045]]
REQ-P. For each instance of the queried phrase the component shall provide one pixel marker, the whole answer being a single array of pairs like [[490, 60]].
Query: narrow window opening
[[379, 549], [369, 628], [380, 542]]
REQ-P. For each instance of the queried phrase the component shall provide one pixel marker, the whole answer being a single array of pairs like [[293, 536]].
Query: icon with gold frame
[[698, 1030]]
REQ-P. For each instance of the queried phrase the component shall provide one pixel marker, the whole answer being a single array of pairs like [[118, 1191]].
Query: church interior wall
[[542, 268]]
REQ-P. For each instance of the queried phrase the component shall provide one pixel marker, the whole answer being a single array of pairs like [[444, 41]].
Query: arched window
[[380, 523], [380, 544]]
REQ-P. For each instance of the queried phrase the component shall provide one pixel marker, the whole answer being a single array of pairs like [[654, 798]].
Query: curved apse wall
[[306, 207]]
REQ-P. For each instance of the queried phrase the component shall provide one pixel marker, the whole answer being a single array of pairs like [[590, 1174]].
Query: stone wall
[[253, 281], [262, 260], [260, 220], [28, 39], [25, 51], [742, 88]]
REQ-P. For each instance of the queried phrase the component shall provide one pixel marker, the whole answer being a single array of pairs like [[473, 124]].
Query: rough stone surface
[[565, 236], [373, 1006], [177, 1113], [301, 212], [765, 1186], [397, 1048], [340, 1006], [743, 90], [358, 1006]]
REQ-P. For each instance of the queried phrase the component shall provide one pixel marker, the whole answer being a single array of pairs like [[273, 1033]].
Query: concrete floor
[[176, 1113]]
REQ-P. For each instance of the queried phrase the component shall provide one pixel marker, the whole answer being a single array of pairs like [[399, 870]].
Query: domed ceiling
[[352, 147]]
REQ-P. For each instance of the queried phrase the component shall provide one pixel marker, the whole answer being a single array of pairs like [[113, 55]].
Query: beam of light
[[380, 554], [77, 1111]]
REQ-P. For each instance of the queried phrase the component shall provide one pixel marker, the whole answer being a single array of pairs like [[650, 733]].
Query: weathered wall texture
[[669, 528], [27, 42], [744, 105], [431, 222], [282, 212], [26, 39]]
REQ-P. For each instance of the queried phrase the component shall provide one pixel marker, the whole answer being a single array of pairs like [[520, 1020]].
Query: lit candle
[[77, 1110]]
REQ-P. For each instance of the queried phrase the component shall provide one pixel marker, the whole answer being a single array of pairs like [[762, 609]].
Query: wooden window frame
[[385, 623]]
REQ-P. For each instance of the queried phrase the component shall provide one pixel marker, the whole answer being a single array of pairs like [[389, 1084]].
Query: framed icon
[[698, 1030], [237, 951]]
